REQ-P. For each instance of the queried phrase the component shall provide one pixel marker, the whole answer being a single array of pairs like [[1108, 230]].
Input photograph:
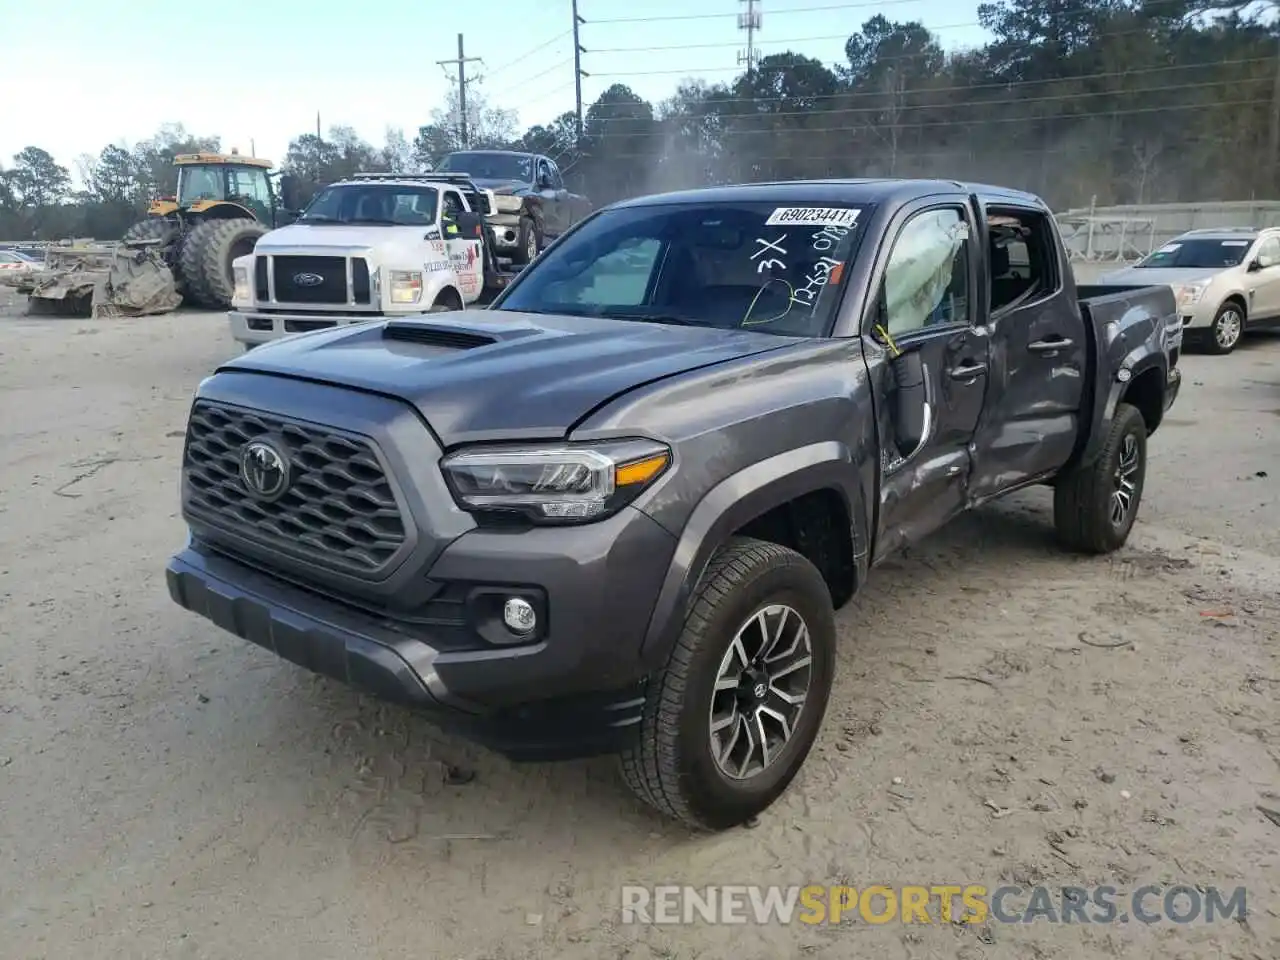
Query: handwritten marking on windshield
[[828, 237], [808, 294], [766, 246]]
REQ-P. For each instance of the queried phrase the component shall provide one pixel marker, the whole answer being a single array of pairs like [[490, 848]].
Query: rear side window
[[1021, 258]]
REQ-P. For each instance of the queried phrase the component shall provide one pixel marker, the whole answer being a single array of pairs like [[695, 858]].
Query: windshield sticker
[[1235, 243], [767, 246], [1170, 248], [834, 216]]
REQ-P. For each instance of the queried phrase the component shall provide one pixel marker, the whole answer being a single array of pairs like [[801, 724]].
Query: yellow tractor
[[223, 204]]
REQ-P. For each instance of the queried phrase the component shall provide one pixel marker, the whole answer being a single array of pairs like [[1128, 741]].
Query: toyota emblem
[[264, 470], [308, 279]]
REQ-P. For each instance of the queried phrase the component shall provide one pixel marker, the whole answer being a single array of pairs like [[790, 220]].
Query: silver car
[[1226, 280]]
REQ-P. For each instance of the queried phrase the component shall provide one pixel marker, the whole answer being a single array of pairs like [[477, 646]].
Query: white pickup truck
[[374, 246]]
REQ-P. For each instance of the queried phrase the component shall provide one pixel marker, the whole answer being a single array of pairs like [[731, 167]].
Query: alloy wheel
[[1228, 328], [760, 691], [1125, 480]]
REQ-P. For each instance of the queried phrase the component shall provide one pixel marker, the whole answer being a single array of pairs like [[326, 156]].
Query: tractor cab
[[222, 185]]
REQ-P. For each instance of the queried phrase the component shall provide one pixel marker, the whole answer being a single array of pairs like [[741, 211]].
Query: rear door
[[1264, 282], [1038, 353], [924, 312]]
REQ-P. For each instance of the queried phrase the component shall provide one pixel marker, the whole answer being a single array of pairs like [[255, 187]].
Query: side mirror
[[1255, 266], [544, 181], [289, 191]]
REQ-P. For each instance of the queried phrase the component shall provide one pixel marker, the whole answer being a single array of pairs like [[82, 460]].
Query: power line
[[951, 105], [721, 16], [1010, 85], [970, 122], [520, 60]]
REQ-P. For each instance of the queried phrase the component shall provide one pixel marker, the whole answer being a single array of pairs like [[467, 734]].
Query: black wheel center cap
[[754, 686]]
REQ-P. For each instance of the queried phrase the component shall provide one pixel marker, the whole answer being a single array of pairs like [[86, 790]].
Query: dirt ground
[[1003, 713]]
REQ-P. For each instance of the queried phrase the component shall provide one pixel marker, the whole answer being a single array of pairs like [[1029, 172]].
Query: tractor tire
[[207, 256]]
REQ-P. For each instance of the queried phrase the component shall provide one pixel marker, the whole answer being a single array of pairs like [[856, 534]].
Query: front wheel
[[529, 241], [1228, 326], [1094, 507], [731, 718]]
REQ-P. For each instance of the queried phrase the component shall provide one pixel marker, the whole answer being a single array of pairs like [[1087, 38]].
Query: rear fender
[[733, 503], [1122, 363]]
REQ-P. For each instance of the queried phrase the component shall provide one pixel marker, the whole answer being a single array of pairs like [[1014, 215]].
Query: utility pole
[[318, 137], [750, 22], [461, 63], [578, 72]]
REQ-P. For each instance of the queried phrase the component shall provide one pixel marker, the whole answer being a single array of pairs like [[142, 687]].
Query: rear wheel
[[208, 253], [732, 717], [1094, 507]]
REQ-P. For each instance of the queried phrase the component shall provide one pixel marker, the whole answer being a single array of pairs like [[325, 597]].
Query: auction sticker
[[820, 216]]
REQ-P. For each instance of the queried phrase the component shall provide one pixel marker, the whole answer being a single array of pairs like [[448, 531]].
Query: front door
[[466, 255], [1038, 357], [922, 329], [553, 205], [1264, 283]]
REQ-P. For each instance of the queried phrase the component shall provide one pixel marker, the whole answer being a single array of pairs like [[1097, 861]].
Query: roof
[[834, 191], [185, 159]]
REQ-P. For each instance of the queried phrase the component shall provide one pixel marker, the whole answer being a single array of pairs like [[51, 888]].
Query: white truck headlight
[[406, 286], [508, 204], [1189, 293], [564, 483], [242, 294]]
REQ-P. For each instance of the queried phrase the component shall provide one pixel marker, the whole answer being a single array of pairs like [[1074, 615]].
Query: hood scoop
[[429, 336]]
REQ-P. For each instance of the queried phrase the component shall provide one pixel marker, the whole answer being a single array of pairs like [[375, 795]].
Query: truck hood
[[501, 186], [1155, 275], [338, 237], [498, 375]]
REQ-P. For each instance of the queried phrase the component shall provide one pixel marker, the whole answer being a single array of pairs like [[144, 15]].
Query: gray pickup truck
[[616, 511]]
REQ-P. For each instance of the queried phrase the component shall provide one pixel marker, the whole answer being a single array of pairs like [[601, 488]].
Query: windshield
[[490, 166], [756, 266], [1216, 252], [389, 204], [200, 183]]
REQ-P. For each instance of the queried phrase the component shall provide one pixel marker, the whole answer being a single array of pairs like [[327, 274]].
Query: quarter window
[[926, 282]]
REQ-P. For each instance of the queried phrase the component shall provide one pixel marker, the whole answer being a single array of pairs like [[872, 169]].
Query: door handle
[[967, 371], [1052, 345]]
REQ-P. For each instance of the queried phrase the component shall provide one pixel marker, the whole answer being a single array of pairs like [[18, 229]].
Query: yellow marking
[[225, 159], [893, 347]]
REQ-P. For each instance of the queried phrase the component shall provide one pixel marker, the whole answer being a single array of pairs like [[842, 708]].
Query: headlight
[[508, 204], [406, 286], [1190, 293], [242, 292], [572, 483]]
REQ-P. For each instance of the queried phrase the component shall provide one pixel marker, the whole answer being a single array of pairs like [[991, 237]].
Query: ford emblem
[[308, 279]]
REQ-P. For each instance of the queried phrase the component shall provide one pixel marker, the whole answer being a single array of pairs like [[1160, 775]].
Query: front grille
[[339, 510], [292, 288]]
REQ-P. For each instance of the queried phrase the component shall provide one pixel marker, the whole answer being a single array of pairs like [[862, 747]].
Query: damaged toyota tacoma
[[616, 511]]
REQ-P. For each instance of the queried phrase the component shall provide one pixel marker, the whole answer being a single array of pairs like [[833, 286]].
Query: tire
[[530, 239], [208, 253], [447, 302], [1084, 500], [1226, 330], [671, 764]]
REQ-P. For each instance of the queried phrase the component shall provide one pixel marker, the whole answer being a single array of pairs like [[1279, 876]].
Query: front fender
[[733, 503]]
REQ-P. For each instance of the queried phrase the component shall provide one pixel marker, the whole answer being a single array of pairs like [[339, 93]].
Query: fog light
[[518, 615]]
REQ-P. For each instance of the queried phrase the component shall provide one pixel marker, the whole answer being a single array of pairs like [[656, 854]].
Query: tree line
[[1112, 101]]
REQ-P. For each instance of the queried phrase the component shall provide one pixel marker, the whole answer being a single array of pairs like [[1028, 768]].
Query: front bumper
[[252, 329], [333, 640], [506, 230]]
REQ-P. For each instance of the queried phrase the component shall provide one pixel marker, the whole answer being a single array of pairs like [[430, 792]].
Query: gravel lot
[[168, 791]]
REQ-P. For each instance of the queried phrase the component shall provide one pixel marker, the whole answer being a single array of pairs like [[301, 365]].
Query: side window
[[618, 279], [451, 204], [251, 184], [544, 170], [926, 281], [1021, 256], [1269, 252], [557, 182]]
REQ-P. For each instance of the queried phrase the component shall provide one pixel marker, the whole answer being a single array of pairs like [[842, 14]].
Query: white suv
[[1224, 278]]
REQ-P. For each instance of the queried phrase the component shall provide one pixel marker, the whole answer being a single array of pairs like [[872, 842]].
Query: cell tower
[[750, 22]]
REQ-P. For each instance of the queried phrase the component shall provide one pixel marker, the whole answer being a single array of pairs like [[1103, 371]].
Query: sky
[[108, 73]]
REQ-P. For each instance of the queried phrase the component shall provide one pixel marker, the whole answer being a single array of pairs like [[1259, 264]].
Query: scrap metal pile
[[128, 279]]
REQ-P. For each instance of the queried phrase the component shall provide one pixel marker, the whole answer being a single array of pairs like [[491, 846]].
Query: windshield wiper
[[375, 220]]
